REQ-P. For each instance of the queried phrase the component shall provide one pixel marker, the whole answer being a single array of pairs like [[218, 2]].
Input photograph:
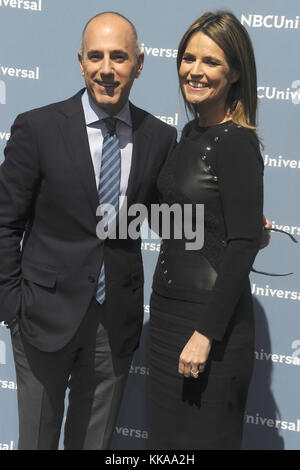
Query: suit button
[[91, 279]]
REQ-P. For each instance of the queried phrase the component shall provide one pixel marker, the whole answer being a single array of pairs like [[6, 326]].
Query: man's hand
[[266, 234], [194, 355]]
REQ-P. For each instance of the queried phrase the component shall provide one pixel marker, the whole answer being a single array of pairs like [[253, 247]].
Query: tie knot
[[110, 125]]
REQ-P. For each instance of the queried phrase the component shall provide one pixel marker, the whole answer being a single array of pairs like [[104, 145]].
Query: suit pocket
[[137, 280], [133, 280], [40, 275]]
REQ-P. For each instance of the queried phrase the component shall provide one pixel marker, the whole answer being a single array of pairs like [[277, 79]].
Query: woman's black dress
[[207, 290]]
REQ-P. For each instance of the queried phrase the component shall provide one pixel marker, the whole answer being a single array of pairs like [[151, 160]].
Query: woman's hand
[[266, 234], [194, 355]]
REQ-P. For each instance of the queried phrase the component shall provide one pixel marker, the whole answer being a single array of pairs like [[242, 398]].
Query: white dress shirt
[[96, 130]]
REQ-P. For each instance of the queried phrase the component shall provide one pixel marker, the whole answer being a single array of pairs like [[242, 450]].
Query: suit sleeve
[[240, 172], [19, 179], [155, 196]]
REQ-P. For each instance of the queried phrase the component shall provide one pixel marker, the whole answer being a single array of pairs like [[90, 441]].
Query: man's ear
[[80, 60], [140, 64]]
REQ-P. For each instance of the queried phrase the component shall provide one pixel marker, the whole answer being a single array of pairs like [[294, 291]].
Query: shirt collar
[[94, 113]]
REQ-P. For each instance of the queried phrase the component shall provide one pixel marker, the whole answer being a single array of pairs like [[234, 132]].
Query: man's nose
[[106, 66]]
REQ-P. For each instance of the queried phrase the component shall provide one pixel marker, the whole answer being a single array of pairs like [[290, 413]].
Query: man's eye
[[118, 58]]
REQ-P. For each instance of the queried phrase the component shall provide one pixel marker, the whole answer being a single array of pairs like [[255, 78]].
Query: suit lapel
[[141, 146], [75, 134]]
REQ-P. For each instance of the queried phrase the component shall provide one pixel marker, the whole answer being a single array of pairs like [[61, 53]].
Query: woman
[[201, 326]]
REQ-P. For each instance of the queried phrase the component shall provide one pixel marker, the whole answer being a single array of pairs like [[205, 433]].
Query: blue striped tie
[[109, 187]]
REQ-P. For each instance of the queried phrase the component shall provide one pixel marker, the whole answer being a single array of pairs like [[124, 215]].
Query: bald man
[[74, 302]]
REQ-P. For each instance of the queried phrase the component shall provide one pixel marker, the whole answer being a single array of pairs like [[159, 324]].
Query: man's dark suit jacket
[[48, 194]]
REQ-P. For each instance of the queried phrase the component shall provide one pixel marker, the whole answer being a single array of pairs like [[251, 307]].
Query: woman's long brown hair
[[231, 36]]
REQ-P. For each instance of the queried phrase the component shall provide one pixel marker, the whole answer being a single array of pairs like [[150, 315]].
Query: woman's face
[[204, 73]]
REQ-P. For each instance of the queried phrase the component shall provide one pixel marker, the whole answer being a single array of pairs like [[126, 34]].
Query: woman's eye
[[188, 59], [212, 62]]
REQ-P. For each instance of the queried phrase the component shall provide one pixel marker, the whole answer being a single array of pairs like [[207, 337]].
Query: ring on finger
[[195, 374]]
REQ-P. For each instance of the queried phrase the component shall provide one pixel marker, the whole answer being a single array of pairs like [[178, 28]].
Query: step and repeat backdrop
[[38, 65]]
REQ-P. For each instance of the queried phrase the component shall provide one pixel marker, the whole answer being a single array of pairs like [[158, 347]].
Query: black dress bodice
[[203, 169]]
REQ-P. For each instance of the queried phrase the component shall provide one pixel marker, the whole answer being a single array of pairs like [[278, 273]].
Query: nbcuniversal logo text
[[270, 21], [2, 353], [2, 92], [273, 93], [29, 5]]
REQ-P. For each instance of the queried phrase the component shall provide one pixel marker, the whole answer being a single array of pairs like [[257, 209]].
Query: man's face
[[109, 64]]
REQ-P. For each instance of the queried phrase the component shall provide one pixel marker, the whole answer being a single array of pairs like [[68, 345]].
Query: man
[[73, 302]]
